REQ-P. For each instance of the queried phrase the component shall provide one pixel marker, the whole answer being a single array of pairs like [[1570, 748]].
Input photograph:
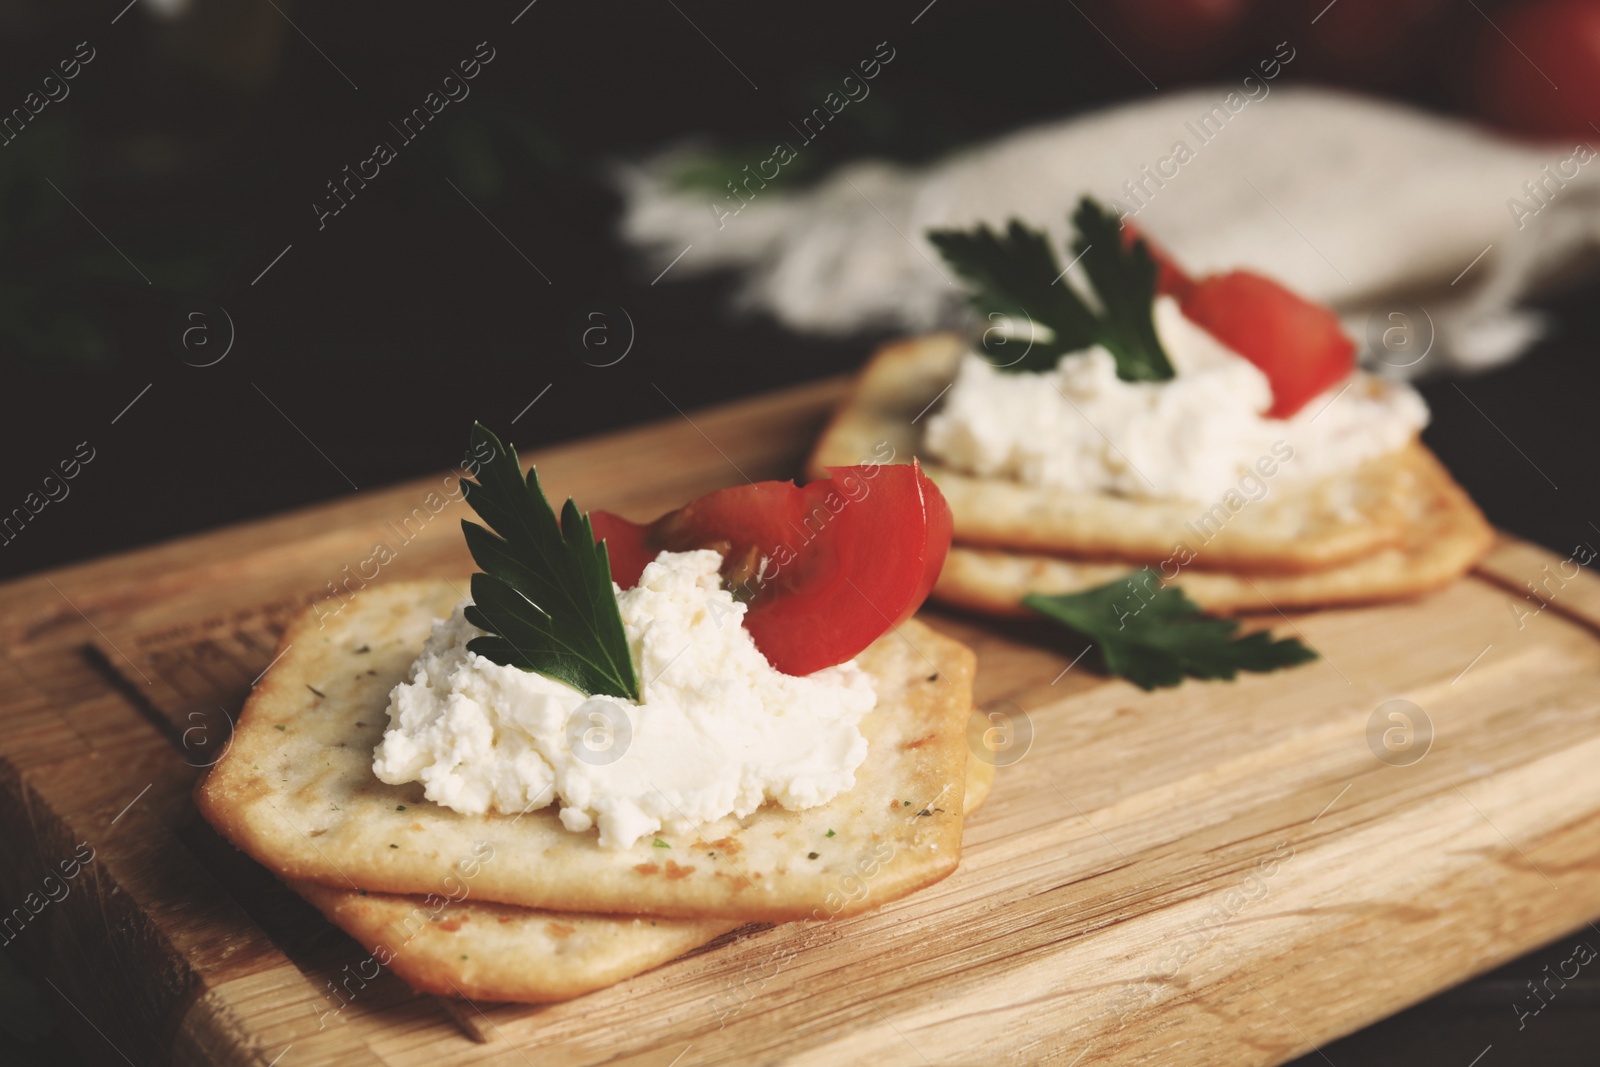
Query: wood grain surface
[[1217, 874]]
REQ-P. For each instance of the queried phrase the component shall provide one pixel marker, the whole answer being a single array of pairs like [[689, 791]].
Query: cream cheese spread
[[1080, 428], [716, 732]]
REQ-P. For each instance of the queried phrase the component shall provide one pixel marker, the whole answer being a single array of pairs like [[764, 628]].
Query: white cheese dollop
[[717, 731], [1081, 428]]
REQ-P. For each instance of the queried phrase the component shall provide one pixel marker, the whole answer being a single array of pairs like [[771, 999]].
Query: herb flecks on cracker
[[544, 595], [1016, 275], [1155, 637]]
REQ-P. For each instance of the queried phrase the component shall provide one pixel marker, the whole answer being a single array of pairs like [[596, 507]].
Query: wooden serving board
[[1225, 873]]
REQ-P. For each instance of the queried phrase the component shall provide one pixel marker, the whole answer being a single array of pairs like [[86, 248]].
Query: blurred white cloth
[[1366, 205]]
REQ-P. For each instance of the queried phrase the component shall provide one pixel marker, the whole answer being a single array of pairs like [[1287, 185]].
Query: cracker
[[296, 791], [500, 952], [980, 779], [1445, 537], [1292, 529]]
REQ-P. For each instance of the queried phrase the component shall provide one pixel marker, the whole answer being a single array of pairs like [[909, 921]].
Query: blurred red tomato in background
[[1183, 25], [1539, 67], [1356, 35], [1171, 40], [1532, 66]]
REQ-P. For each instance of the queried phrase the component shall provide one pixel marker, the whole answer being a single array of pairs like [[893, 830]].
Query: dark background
[[191, 149]]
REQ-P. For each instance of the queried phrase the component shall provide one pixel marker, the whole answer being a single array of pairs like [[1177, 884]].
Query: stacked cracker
[[1394, 527], [518, 908]]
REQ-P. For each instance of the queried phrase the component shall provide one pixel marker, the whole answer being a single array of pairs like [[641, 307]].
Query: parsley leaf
[[544, 596], [1014, 277], [1124, 279], [1154, 637], [1017, 276]]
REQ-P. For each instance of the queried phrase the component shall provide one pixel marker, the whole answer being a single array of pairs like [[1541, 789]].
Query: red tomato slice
[[1170, 278], [826, 568], [1300, 346]]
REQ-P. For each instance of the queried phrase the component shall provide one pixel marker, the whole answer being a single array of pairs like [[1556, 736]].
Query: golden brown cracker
[[296, 791], [1298, 528], [501, 952], [1446, 535]]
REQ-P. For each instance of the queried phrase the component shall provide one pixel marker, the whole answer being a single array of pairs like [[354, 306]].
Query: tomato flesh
[[826, 568], [1171, 280], [1300, 346]]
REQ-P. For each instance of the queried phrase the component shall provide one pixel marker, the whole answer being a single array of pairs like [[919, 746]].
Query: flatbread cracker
[[980, 779], [1299, 528], [1446, 537], [500, 952], [296, 791]]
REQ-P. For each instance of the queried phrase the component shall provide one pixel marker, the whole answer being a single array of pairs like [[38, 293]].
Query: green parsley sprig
[[1154, 639], [1017, 275], [544, 596]]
